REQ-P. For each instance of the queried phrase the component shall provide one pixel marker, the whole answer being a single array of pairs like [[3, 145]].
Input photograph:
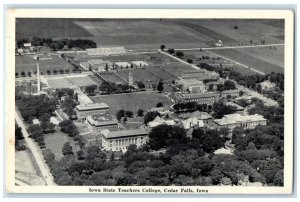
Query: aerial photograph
[[149, 102]]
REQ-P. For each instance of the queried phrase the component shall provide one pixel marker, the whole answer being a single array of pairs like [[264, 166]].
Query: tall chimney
[[38, 75]]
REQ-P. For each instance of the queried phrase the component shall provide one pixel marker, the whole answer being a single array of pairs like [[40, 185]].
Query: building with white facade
[[119, 140], [85, 110], [232, 121]]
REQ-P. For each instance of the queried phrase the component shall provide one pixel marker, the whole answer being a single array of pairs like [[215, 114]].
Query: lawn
[[81, 81], [263, 59], [25, 63], [55, 142], [133, 101], [138, 75], [58, 82]]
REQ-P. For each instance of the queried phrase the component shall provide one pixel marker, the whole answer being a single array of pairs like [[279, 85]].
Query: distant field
[[25, 63], [151, 33], [132, 101], [160, 73], [53, 27], [263, 59]]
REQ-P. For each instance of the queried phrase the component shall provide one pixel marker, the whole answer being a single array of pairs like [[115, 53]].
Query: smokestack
[[38, 75]]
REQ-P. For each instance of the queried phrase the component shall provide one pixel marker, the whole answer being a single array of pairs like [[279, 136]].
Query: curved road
[[36, 153]]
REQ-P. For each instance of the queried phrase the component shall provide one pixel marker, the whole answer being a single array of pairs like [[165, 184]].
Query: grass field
[[81, 81], [133, 101], [263, 59], [25, 63], [58, 82], [55, 142], [160, 73], [138, 75]]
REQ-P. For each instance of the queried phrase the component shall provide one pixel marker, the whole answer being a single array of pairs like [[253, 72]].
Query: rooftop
[[238, 107], [195, 95], [197, 114], [123, 133], [237, 118], [102, 120], [91, 106], [123, 64]]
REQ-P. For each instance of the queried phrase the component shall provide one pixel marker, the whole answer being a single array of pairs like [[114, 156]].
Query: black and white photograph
[[186, 103]]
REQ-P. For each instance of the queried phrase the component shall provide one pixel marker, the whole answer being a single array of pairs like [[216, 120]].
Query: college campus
[[149, 102]]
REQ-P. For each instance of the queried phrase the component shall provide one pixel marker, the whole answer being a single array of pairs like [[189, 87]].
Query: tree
[[229, 85], [171, 51], [120, 114], [211, 140], [162, 47], [211, 87], [129, 114], [150, 116], [190, 61], [160, 104], [80, 155], [125, 119], [220, 109], [91, 89], [140, 112], [67, 149], [160, 86], [179, 54], [141, 85]]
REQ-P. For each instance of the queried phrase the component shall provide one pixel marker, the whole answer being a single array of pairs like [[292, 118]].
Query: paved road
[[228, 47], [36, 154]]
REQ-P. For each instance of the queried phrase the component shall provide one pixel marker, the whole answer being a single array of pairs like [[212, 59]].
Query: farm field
[[132, 101], [55, 142], [151, 33], [25, 63], [263, 59], [247, 30]]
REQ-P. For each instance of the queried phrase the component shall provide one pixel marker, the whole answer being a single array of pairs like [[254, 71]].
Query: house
[[159, 121], [192, 123], [122, 65], [85, 110], [119, 140], [208, 98], [204, 116], [267, 85], [232, 121], [161, 110]]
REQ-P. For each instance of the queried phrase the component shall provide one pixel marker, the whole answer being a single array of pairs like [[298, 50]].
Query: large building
[[232, 121], [106, 51], [208, 98], [99, 122], [119, 140], [97, 65], [191, 85], [232, 93], [204, 116], [85, 110], [200, 75]]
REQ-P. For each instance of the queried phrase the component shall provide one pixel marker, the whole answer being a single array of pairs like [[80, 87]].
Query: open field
[[138, 75], [81, 81], [132, 101], [25, 63], [55, 142], [59, 82], [263, 59], [160, 73]]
